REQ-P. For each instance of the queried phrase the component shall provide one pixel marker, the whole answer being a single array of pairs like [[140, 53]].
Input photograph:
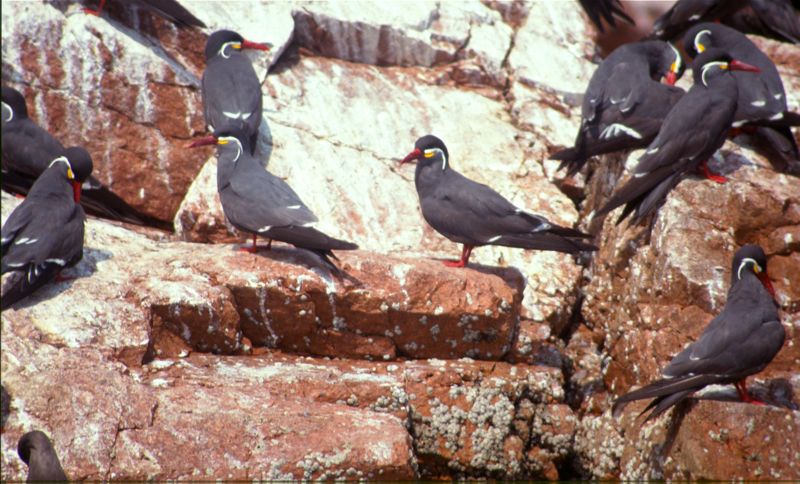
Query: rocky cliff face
[[169, 357]]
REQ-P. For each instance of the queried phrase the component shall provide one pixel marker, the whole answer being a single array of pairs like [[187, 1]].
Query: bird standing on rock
[[258, 202], [28, 150], [231, 91], [44, 234], [762, 98], [739, 342], [473, 214], [36, 450], [625, 103], [692, 132]]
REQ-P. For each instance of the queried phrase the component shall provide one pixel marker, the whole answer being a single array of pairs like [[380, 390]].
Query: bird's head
[[704, 36], [224, 42], [670, 64], [714, 62], [751, 259], [13, 104], [230, 144], [429, 150], [76, 164], [34, 440]]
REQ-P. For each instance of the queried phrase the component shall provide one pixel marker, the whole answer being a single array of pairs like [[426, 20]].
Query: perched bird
[[599, 10], [777, 19], [36, 450], [28, 150], [473, 214], [44, 234], [739, 342], [169, 9], [258, 202], [231, 91], [762, 98], [693, 130], [625, 103]]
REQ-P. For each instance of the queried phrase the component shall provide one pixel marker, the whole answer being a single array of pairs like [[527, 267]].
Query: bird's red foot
[[705, 171], [20, 196], [62, 278], [252, 249], [454, 263], [744, 395], [96, 13]]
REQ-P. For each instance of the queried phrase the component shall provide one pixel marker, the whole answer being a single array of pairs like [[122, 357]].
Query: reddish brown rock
[[212, 296], [473, 418], [714, 440]]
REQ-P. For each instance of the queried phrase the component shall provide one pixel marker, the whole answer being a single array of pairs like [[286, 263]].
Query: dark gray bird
[[473, 214], [231, 91], [258, 202], [762, 97], [27, 152], [169, 9], [625, 103], [739, 342], [693, 130], [36, 450], [44, 234], [608, 10], [777, 19]]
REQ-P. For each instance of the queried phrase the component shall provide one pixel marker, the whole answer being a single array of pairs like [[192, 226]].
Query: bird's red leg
[[741, 387], [269, 244], [62, 278], [705, 171], [95, 12], [746, 129], [252, 249], [465, 253]]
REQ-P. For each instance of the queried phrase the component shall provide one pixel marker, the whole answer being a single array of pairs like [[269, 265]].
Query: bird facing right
[[44, 234], [739, 342], [693, 131]]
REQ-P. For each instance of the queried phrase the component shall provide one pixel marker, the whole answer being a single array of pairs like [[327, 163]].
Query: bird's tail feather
[[24, 283], [661, 389], [310, 238], [102, 202], [545, 241]]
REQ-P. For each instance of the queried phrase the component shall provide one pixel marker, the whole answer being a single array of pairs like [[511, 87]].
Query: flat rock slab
[[211, 297]]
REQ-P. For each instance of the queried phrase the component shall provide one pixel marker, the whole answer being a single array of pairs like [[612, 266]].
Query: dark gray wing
[[232, 95], [42, 234], [469, 212], [740, 341], [27, 148], [779, 16], [257, 200], [174, 11], [45, 240], [693, 130]]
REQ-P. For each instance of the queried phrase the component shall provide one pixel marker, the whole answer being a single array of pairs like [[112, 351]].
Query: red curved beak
[[414, 155], [205, 140], [246, 44], [767, 283], [672, 78], [76, 191], [736, 65]]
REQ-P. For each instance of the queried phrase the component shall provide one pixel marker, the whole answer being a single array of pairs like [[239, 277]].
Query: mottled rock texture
[[173, 356]]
